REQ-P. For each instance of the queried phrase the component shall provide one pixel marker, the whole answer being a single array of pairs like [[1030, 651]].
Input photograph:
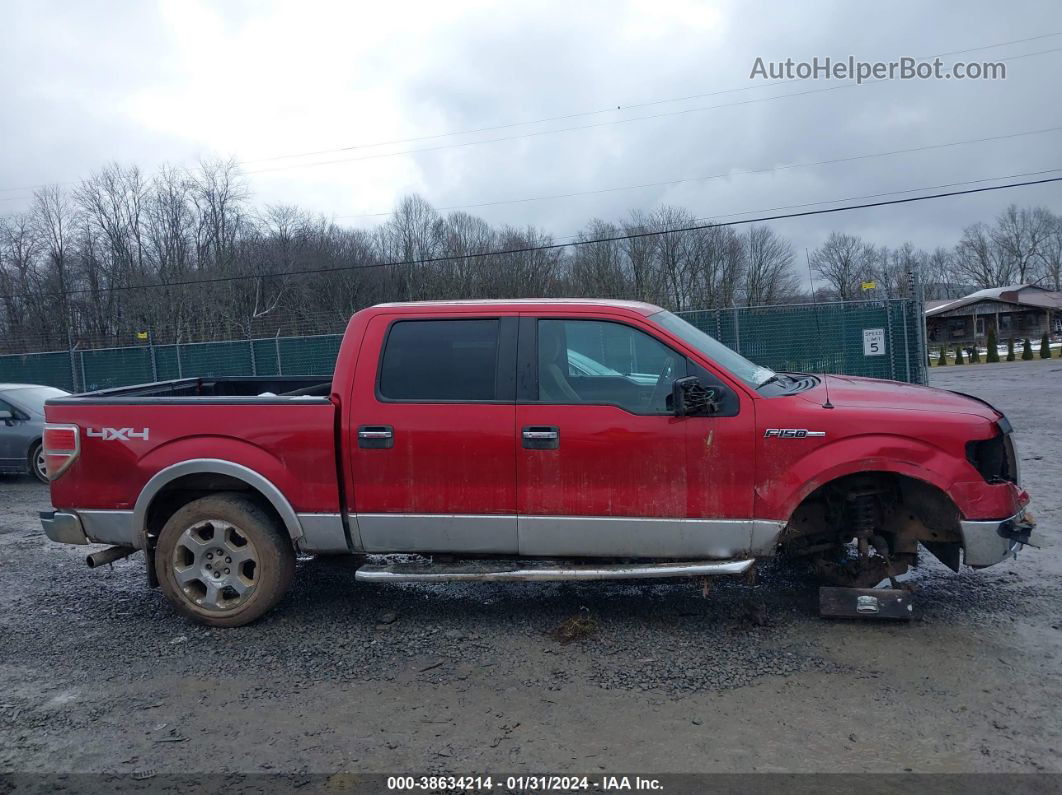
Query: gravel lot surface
[[98, 674]]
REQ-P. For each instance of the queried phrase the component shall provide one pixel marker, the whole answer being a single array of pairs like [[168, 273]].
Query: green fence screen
[[880, 339], [877, 339]]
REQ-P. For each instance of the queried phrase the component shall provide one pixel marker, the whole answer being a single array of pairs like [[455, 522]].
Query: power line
[[629, 106], [863, 197], [501, 139], [510, 125], [554, 246], [569, 116], [556, 131], [724, 174], [595, 125], [628, 120], [521, 136], [992, 46]]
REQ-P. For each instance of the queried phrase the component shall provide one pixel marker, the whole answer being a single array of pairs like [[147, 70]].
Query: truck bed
[[267, 386], [281, 428]]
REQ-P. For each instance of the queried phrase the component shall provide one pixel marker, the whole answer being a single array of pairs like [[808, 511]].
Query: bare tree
[[219, 194], [673, 254], [894, 269], [24, 304], [840, 262], [977, 258], [641, 252], [716, 266], [463, 276], [184, 255], [599, 267], [1018, 236], [769, 276], [939, 278], [53, 219], [1050, 255], [412, 235], [530, 271]]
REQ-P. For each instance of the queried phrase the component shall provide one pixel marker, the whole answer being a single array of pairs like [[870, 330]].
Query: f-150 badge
[[790, 433], [117, 434]]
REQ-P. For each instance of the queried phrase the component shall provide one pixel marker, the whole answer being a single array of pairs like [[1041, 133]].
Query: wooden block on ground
[[890, 603]]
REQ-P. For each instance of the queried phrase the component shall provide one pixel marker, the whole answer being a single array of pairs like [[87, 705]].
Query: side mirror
[[6, 414], [689, 398]]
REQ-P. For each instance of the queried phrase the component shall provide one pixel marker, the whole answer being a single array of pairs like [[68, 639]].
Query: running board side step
[[494, 572]]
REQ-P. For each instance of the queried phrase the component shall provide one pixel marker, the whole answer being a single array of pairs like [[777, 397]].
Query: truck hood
[[850, 391]]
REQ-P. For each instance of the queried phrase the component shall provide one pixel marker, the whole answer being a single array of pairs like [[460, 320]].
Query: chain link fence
[[878, 339]]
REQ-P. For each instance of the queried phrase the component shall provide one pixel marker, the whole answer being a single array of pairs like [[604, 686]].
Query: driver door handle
[[541, 437]]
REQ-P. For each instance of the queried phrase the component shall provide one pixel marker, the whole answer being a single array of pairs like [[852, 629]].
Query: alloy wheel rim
[[41, 464], [215, 565]]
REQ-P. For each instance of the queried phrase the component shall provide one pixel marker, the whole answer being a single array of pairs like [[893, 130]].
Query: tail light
[[62, 444]]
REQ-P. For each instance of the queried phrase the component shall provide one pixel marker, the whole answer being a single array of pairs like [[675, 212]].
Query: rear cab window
[[445, 360]]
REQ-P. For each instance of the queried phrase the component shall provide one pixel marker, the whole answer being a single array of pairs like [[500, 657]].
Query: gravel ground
[[98, 674]]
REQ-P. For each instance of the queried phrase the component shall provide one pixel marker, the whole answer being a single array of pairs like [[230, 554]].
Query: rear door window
[[441, 361]]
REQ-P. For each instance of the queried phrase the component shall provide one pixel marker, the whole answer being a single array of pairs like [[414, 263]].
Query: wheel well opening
[[893, 511], [183, 490]]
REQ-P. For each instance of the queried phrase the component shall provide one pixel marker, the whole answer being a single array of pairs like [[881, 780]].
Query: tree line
[[72, 265], [1022, 246]]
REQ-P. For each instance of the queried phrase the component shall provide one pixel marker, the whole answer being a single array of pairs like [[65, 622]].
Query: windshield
[[31, 398], [749, 372]]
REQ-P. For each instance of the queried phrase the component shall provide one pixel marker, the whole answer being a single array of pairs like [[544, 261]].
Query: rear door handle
[[541, 437], [376, 437]]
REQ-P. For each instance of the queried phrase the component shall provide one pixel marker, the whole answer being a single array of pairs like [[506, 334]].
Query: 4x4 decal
[[117, 434]]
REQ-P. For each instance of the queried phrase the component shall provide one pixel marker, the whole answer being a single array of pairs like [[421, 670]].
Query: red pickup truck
[[527, 440]]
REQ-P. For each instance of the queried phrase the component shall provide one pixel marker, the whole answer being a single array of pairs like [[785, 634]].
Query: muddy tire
[[223, 561], [36, 462]]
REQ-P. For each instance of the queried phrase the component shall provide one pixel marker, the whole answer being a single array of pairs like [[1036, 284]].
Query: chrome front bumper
[[63, 528], [987, 543]]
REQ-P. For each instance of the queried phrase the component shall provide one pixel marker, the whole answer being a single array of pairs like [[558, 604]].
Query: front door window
[[604, 363]]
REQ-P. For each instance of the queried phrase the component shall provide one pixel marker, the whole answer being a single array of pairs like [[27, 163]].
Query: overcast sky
[[86, 83]]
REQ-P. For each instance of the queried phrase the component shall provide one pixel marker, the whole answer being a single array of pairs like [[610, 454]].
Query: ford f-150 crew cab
[[524, 440]]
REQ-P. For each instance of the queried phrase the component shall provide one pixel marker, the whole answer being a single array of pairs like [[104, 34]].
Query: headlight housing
[[995, 458]]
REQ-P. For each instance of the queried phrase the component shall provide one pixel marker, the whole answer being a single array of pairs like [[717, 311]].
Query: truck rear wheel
[[222, 561]]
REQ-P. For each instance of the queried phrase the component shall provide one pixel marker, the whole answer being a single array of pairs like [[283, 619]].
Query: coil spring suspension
[[863, 513]]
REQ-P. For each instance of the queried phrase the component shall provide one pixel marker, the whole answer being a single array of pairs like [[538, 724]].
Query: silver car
[[21, 425]]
